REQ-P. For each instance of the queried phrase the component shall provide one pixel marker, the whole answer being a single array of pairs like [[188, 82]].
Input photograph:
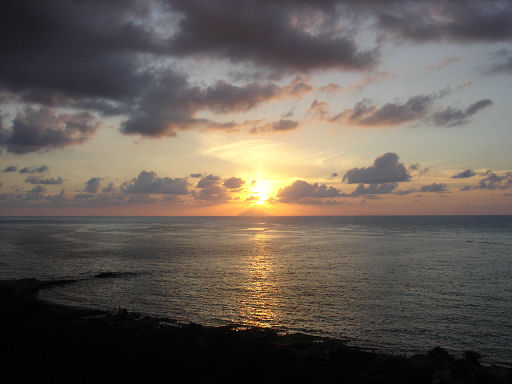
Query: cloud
[[195, 175], [234, 183], [100, 65], [416, 170], [365, 114], [211, 190], [39, 180], [504, 64], [282, 125], [424, 21], [493, 181], [451, 117], [170, 104], [303, 192], [92, 185], [464, 174], [434, 187], [275, 35], [36, 193], [149, 183], [42, 130], [10, 168], [419, 107], [385, 169], [41, 169], [405, 192], [374, 189], [208, 181]]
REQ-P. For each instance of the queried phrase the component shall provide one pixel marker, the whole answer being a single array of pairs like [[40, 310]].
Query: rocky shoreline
[[45, 341]]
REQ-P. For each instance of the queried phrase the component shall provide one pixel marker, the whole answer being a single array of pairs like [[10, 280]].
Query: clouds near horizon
[[385, 169]]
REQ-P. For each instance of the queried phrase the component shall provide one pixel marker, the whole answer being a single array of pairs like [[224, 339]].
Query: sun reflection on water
[[258, 306]]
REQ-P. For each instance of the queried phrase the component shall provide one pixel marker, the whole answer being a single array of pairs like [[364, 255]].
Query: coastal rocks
[[53, 343], [111, 275]]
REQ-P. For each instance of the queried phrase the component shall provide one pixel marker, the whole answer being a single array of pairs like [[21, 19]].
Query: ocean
[[395, 284]]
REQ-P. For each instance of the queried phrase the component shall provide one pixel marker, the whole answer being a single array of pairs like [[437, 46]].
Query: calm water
[[399, 284]]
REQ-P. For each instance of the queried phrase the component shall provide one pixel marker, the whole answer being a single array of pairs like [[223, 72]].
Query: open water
[[396, 284]]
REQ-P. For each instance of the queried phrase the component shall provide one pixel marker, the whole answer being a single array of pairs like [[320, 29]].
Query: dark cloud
[[94, 56], [366, 114], [42, 130], [374, 189], [113, 58], [234, 183], [464, 174], [92, 185], [53, 49], [211, 190], [269, 34], [41, 169], [434, 187], [36, 193], [149, 183], [195, 175], [110, 188], [170, 104], [468, 21], [10, 168], [208, 181], [303, 192], [39, 180], [451, 116], [385, 169], [493, 181]]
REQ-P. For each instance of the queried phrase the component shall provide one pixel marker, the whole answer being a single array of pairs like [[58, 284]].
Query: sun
[[261, 190]]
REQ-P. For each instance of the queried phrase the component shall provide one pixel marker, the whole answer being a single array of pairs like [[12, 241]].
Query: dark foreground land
[[48, 342]]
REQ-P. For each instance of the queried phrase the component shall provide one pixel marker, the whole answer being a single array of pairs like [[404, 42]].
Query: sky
[[255, 107]]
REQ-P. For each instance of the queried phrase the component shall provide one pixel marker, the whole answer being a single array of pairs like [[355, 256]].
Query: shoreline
[[57, 342]]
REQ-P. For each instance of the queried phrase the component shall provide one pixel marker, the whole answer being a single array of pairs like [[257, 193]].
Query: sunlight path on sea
[[258, 304]]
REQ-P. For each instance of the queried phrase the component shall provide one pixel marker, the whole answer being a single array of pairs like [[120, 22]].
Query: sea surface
[[395, 284]]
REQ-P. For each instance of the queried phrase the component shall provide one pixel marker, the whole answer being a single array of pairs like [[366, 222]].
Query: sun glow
[[261, 191]]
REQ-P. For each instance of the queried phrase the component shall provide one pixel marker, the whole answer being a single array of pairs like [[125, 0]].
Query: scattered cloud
[[92, 185], [282, 125], [233, 183], [464, 174], [211, 190], [374, 189], [434, 187], [385, 169], [426, 21], [36, 193], [43, 129], [149, 183], [40, 169], [45, 181], [492, 181], [10, 168], [452, 117], [390, 114], [303, 192]]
